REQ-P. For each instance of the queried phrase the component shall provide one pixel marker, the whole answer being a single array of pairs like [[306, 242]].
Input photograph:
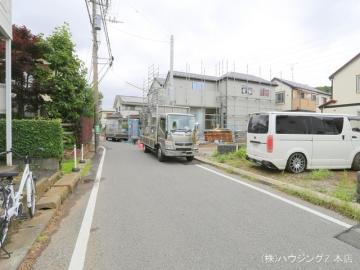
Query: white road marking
[[79, 253], [305, 208]]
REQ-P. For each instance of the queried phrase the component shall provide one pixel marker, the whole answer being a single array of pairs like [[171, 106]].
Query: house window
[[196, 85], [313, 97], [323, 100], [357, 83], [264, 92], [246, 90], [280, 98], [302, 95]]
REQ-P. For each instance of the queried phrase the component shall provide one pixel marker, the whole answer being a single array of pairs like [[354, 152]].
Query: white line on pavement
[[305, 208], [79, 253]]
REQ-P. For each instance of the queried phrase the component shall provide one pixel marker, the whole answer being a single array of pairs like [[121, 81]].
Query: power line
[[103, 18], [88, 10], [140, 37], [149, 21]]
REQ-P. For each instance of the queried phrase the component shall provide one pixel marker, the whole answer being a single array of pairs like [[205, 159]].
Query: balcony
[[303, 104]]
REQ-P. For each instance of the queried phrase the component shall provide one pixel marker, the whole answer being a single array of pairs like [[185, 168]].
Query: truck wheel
[[190, 158], [356, 163], [146, 149], [296, 163], [160, 155]]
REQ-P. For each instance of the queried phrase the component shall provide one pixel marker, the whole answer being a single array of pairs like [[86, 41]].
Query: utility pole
[[95, 73], [8, 101], [171, 75]]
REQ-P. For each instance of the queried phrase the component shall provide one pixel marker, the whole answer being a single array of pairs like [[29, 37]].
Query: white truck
[[116, 128], [170, 131]]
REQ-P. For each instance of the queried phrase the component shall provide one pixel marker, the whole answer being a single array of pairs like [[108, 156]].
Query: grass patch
[[320, 174], [67, 165], [345, 208], [42, 238], [237, 155], [345, 189], [86, 169]]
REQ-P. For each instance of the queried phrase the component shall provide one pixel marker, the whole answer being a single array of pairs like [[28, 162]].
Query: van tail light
[[269, 143]]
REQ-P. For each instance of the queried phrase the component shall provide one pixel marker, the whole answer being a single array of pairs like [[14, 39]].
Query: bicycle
[[11, 205]]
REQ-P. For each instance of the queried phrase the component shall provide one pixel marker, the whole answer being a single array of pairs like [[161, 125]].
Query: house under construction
[[217, 102]]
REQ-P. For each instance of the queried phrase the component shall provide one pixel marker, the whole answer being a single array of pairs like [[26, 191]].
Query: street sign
[[97, 129]]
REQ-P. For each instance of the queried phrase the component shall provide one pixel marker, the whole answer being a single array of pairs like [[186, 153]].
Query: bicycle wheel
[[4, 222], [4, 227], [32, 195], [2, 202]]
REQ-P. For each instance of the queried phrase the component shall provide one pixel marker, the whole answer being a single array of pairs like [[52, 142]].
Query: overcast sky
[[314, 37]]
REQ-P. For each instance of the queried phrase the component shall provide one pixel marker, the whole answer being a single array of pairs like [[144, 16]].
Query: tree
[[70, 94], [28, 71], [326, 89]]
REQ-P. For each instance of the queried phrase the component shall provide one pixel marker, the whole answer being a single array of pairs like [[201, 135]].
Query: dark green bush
[[69, 141], [29, 135]]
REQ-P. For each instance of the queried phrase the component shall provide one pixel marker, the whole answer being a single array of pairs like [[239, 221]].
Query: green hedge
[[29, 135]]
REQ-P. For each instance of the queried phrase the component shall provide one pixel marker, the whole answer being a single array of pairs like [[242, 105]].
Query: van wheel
[[190, 158], [160, 156], [356, 163], [296, 163]]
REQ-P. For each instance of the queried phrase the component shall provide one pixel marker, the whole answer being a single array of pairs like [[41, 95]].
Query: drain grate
[[351, 236]]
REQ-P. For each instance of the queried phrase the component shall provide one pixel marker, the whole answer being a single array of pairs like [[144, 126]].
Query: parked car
[[297, 141]]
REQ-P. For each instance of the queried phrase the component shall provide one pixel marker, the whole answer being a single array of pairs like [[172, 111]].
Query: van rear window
[[259, 123]]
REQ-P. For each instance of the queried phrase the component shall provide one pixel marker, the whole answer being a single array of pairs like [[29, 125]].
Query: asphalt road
[[176, 215]]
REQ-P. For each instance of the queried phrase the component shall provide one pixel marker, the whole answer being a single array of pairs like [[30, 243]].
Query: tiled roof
[[301, 86]]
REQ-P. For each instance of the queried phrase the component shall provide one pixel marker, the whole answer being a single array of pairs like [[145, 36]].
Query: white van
[[297, 141]]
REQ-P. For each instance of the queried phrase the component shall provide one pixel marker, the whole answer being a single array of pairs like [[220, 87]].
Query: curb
[[45, 183], [57, 194], [348, 209]]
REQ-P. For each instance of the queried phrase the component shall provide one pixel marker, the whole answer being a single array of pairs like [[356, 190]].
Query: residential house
[[128, 105], [294, 96], [345, 89], [104, 113]]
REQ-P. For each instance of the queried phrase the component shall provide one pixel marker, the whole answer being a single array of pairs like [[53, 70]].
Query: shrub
[[241, 153], [29, 135], [69, 141]]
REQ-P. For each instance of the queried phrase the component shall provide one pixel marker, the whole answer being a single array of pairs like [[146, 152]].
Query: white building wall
[[352, 110], [286, 106], [185, 95], [5, 18], [344, 84]]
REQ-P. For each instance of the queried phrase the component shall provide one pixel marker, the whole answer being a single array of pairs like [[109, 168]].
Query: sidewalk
[[52, 192]]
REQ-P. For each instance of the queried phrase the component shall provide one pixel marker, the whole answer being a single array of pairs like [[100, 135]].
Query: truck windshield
[[181, 122]]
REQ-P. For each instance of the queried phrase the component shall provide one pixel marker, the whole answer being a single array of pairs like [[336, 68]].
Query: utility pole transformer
[[95, 73]]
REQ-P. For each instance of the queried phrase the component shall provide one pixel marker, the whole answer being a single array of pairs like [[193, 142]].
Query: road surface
[[179, 215]]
